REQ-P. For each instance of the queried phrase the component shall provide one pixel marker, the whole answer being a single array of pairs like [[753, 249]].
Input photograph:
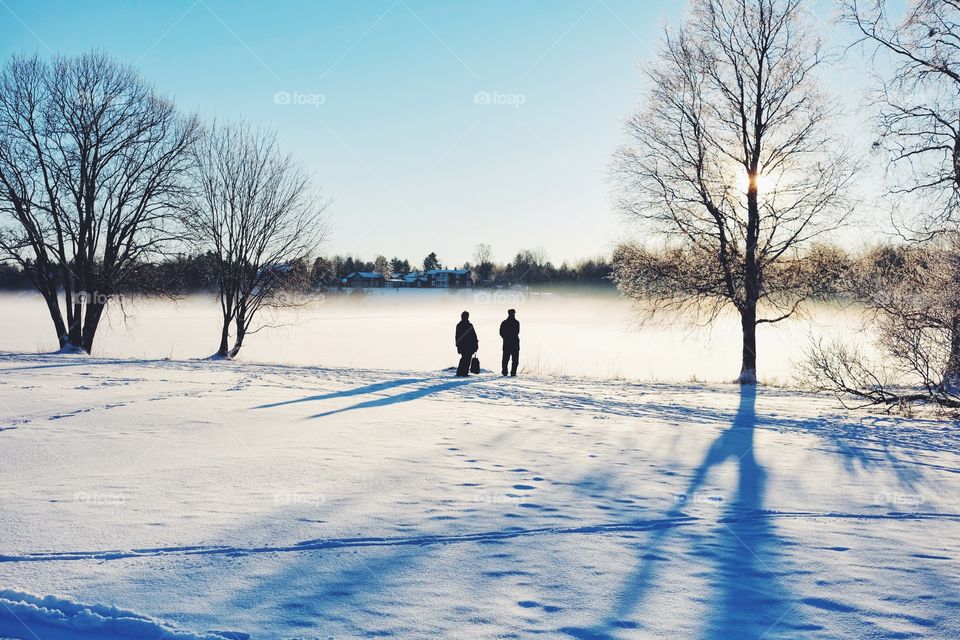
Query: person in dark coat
[[467, 343], [510, 332]]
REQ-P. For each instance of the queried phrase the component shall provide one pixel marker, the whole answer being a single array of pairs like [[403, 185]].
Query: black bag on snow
[[475, 365]]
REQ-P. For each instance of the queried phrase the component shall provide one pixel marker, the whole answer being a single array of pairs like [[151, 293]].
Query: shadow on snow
[[407, 396], [370, 388], [749, 599]]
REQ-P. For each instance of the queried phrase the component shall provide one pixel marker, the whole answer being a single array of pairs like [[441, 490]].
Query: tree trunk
[[752, 282], [56, 316], [748, 325], [91, 322], [46, 283], [241, 332], [224, 350], [951, 373], [73, 299]]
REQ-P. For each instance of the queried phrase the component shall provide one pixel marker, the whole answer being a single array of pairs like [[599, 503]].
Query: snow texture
[[286, 502]]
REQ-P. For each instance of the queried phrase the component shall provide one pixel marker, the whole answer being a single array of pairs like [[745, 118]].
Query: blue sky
[[432, 124]]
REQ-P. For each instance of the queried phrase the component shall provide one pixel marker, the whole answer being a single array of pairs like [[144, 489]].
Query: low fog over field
[[581, 332]]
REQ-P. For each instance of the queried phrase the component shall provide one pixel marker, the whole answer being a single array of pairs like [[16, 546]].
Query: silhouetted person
[[467, 344], [510, 332]]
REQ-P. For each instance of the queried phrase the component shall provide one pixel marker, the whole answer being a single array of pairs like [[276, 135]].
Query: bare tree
[[483, 268], [90, 160], [919, 123], [732, 162], [254, 209], [382, 265], [482, 253]]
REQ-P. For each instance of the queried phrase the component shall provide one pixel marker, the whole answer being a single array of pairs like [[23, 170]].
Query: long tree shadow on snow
[[749, 599], [407, 396], [358, 391]]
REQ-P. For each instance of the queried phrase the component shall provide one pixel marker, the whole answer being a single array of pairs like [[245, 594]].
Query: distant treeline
[[190, 273], [171, 275], [826, 271], [527, 267]]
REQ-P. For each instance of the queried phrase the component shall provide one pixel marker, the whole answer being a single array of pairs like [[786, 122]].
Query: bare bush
[[911, 298]]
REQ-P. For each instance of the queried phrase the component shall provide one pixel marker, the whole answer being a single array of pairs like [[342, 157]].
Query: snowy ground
[[227, 500]]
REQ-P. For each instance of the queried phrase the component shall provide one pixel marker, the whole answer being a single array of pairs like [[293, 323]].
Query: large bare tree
[[254, 209], [733, 163], [90, 159], [918, 94]]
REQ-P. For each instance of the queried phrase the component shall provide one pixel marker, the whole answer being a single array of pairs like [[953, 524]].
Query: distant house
[[449, 278], [279, 269], [432, 279], [364, 280], [401, 281], [415, 279]]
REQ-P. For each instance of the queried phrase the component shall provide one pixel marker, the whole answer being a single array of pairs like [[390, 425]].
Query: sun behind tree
[[732, 163]]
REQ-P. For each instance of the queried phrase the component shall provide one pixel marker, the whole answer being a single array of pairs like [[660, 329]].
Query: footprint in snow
[[532, 604]]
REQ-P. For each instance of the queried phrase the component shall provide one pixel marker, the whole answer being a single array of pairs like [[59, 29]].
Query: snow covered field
[[574, 332], [192, 499]]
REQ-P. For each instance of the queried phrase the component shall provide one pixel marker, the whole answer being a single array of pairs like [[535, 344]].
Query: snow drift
[[51, 618]]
